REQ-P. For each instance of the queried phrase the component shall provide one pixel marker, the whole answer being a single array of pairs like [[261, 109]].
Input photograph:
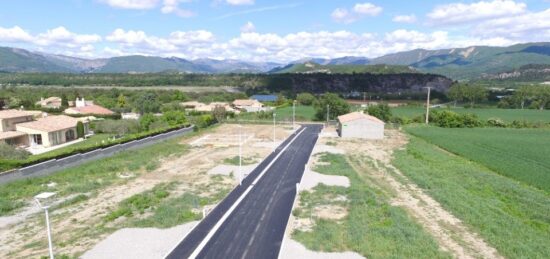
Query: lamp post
[[44, 200], [328, 114], [274, 115], [240, 156], [293, 114], [428, 105]]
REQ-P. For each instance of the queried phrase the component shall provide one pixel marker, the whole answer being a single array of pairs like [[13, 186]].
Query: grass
[[512, 217], [373, 227], [507, 115], [139, 203], [88, 177], [521, 154], [235, 160]]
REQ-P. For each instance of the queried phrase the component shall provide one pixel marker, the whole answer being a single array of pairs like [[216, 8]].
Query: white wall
[[364, 128]]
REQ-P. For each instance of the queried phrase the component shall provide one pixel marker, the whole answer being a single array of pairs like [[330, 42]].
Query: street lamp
[[240, 155], [293, 114], [44, 201], [274, 115]]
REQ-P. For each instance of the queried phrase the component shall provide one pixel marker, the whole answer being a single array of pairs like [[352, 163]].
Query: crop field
[[511, 216], [521, 154], [507, 115]]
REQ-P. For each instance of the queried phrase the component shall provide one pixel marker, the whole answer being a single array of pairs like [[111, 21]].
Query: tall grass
[[372, 228], [512, 217]]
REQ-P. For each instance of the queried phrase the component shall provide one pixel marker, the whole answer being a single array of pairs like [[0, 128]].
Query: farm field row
[[521, 154], [511, 216], [507, 115]]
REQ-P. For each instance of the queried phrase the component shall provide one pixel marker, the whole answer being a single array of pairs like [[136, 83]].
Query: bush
[[380, 111], [495, 122], [450, 119], [174, 118], [119, 127], [306, 99], [79, 129], [9, 152]]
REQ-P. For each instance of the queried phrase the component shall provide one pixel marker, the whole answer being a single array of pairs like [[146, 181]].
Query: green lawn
[[373, 227], [511, 216], [507, 115], [521, 154]]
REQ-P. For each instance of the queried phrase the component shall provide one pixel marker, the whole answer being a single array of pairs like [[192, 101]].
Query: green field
[[507, 115], [511, 216], [372, 228], [521, 154]]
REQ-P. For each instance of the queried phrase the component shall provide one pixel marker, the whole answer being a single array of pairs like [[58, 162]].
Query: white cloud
[[405, 18], [14, 34], [132, 4], [367, 9], [240, 2], [359, 11], [459, 13], [172, 6], [533, 26], [248, 27], [63, 37]]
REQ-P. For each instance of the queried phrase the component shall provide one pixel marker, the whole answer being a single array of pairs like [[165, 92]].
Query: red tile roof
[[7, 114], [91, 109], [50, 123]]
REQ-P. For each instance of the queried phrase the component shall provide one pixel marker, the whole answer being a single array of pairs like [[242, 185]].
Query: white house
[[360, 125], [249, 105]]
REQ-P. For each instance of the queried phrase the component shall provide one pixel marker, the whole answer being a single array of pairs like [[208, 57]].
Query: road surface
[[250, 222]]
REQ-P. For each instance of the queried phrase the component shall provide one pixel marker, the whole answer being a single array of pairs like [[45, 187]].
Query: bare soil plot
[[79, 227]]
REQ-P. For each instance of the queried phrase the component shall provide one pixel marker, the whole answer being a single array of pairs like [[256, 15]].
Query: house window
[[37, 139], [69, 135]]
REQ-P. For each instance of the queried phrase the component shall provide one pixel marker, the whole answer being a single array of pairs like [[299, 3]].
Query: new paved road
[[255, 227]]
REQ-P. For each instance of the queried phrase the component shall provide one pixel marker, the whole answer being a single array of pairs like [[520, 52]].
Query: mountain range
[[457, 63]]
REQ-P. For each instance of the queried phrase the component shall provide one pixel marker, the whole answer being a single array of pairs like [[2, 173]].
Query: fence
[[54, 165]]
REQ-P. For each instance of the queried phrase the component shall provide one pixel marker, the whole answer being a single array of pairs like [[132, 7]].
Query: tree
[[146, 120], [219, 113], [2, 104], [306, 99], [455, 93], [121, 101], [146, 102], [380, 111], [337, 106], [79, 129], [64, 101], [474, 93], [174, 118]]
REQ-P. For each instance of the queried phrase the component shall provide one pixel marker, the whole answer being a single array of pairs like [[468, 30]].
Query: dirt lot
[[73, 226]]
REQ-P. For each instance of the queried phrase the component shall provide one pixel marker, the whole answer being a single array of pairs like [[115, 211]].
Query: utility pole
[[274, 114], [428, 105], [293, 114]]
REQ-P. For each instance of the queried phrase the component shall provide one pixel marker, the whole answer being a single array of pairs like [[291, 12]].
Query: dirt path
[[77, 228], [375, 163]]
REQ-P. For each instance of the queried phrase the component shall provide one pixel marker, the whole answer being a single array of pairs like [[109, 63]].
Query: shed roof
[[265, 97], [50, 123], [357, 116], [11, 134]]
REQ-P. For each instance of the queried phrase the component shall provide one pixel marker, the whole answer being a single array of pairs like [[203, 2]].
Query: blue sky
[[266, 30]]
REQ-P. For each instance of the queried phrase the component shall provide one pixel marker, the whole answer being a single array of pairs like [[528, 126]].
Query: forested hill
[[314, 83]]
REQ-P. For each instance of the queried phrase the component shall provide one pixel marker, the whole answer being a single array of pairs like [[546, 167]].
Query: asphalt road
[[256, 226]]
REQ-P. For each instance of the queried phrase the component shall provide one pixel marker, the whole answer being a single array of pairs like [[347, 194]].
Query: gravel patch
[[312, 179], [228, 169], [139, 242], [320, 148]]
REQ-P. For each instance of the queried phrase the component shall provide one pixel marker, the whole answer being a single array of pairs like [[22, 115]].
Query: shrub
[[9, 152], [380, 111], [79, 129], [120, 127], [450, 119], [495, 122], [306, 99]]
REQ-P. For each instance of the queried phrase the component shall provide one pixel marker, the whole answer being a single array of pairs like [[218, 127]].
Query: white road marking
[[238, 201]]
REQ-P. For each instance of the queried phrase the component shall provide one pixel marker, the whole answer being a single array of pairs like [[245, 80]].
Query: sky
[[260, 30]]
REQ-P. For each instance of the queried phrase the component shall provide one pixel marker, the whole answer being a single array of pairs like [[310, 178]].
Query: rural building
[[249, 105], [8, 119], [88, 107], [50, 102], [50, 130], [265, 97], [210, 107], [360, 125], [130, 116]]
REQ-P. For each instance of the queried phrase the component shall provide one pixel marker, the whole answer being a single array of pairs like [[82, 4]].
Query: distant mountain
[[311, 67], [459, 63], [471, 62], [527, 73]]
